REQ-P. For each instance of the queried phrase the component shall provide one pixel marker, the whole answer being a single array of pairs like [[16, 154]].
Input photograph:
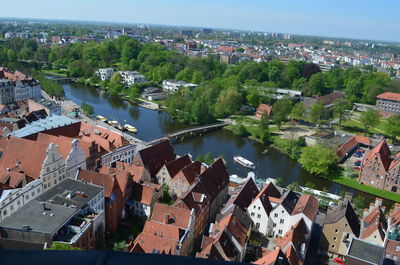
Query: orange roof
[[264, 108], [29, 154], [308, 205], [121, 176], [144, 193], [383, 150], [174, 216], [269, 258], [389, 96], [136, 171], [99, 179], [372, 228], [363, 139]]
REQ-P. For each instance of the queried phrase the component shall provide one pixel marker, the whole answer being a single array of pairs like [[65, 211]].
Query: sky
[[362, 19]]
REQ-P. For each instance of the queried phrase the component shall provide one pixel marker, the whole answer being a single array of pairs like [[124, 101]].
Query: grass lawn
[[352, 182], [59, 73]]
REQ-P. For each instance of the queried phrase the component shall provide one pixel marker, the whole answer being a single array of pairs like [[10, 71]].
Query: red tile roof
[[136, 172], [308, 205], [272, 258], [177, 165], [123, 177], [104, 180], [29, 154], [389, 96], [190, 172], [156, 156], [383, 150], [145, 193], [174, 216], [264, 108]]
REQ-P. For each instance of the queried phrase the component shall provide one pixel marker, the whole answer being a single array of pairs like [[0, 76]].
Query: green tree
[[359, 202], [279, 182], [341, 108], [292, 186], [280, 111], [228, 102], [130, 50], [240, 130], [298, 111], [134, 92], [316, 112], [310, 185], [317, 84], [392, 127], [208, 158], [200, 158], [166, 197], [264, 133], [87, 109], [61, 246], [115, 85], [318, 159], [119, 246], [369, 118], [253, 97]]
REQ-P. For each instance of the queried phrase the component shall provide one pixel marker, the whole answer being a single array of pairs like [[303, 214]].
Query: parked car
[[356, 154], [338, 261], [357, 164], [357, 168], [362, 151]]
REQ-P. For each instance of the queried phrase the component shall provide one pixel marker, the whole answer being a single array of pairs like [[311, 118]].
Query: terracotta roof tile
[[174, 216], [145, 193], [99, 179], [389, 96], [308, 205], [177, 165], [383, 150], [154, 157]]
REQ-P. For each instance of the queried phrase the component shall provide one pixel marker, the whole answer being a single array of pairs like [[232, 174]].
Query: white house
[[105, 73], [75, 159], [129, 78], [13, 199], [172, 86], [260, 208]]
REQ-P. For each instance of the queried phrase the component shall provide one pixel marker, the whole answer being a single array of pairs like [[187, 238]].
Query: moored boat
[[130, 128], [115, 124], [244, 162], [103, 119]]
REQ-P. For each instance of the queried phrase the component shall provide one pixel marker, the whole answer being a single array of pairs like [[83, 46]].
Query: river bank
[[279, 143]]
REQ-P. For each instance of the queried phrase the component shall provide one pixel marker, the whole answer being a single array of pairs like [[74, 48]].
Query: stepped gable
[[381, 149]]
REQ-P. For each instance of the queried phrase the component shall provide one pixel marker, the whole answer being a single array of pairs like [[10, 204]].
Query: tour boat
[[130, 128], [103, 119], [244, 162]]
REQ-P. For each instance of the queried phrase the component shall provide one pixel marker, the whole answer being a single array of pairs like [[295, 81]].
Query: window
[[276, 215], [258, 216], [397, 248], [12, 207], [273, 225], [259, 208], [280, 232], [281, 221], [334, 238], [18, 202], [333, 246], [252, 214], [336, 231], [257, 225]]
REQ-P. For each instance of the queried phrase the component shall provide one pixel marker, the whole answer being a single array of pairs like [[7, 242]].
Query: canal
[[154, 124]]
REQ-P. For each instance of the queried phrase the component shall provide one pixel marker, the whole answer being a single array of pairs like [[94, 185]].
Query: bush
[[240, 130]]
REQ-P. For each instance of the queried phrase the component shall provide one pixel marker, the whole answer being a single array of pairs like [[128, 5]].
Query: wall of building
[[259, 217], [76, 159], [279, 221]]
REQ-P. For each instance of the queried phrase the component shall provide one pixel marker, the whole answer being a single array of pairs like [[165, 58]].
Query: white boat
[[115, 124], [244, 162], [130, 128], [103, 119]]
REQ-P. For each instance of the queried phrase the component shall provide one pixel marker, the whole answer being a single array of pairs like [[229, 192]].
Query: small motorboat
[[103, 119], [244, 162], [130, 128]]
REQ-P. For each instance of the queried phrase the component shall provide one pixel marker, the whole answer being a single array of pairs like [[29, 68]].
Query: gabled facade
[[181, 182], [341, 225], [170, 169], [380, 169]]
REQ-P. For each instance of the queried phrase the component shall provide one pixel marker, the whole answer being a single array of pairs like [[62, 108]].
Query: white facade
[[294, 219], [53, 168], [279, 221], [76, 159], [174, 85], [6, 91], [105, 73], [129, 78], [123, 154], [12, 200], [259, 216], [21, 91]]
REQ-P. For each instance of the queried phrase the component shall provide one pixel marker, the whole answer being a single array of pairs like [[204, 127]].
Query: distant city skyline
[[359, 19]]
